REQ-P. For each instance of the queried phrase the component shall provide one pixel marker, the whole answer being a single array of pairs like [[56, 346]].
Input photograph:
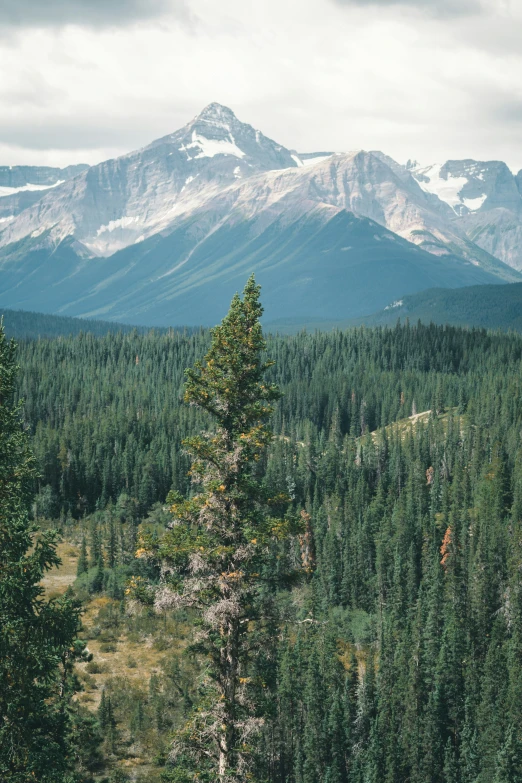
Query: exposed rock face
[[471, 186], [46, 176], [120, 201], [486, 199], [162, 221], [22, 186]]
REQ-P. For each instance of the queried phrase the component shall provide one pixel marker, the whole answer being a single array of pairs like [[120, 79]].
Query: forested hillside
[[23, 324], [488, 307], [397, 654], [481, 306]]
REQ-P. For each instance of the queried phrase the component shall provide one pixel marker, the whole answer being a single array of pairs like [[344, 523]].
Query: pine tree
[[112, 544], [137, 720], [35, 635], [451, 769], [508, 767], [96, 547], [96, 585], [103, 713], [83, 561], [220, 538]]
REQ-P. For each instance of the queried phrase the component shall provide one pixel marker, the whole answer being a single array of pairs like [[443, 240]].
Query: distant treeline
[[106, 417], [22, 324]]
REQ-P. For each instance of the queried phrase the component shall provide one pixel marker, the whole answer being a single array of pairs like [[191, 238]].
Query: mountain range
[[166, 234]]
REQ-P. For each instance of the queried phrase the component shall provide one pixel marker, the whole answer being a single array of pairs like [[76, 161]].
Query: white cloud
[[313, 74]]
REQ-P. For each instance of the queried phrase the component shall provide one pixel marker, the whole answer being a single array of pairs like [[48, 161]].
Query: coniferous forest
[[319, 538]]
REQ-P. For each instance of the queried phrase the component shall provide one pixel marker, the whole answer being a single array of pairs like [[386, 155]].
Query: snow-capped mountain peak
[[217, 114], [212, 133], [125, 200], [217, 168], [217, 133]]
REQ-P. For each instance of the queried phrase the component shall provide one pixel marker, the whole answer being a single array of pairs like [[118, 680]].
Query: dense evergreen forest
[[486, 306], [22, 324], [396, 654]]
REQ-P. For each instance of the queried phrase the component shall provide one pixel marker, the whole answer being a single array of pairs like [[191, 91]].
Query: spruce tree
[[103, 711], [508, 768], [112, 544], [215, 551], [96, 547], [83, 560]]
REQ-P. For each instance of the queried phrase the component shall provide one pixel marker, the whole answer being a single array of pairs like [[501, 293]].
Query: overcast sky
[[84, 80]]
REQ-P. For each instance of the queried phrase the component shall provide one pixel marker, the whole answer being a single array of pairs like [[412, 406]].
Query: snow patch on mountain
[[474, 203], [187, 182], [208, 148], [123, 222], [316, 159], [6, 191], [446, 188]]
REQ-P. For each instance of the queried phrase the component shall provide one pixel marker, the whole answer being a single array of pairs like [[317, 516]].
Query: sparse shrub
[[88, 681], [119, 776], [108, 647], [162, 643], [108, 636], [93, 667]]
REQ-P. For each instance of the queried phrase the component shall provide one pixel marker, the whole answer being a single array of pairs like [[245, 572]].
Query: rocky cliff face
[[23, 186], [18, 177]]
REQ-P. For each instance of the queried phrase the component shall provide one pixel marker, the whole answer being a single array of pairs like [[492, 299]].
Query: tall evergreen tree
[[83, 560], [219, 542]]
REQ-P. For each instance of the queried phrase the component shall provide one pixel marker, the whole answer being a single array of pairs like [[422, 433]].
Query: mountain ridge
[[216, 199], [489, 307]]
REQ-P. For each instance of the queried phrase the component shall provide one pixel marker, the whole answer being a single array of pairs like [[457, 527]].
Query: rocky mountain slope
[[121, 201], [144, 236], [22, 186], [324, 264], [486, 199]]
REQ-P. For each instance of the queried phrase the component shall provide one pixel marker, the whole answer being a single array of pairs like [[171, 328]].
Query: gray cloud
[[96, 13], [440, 8], [424, 79], [128, 132]]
